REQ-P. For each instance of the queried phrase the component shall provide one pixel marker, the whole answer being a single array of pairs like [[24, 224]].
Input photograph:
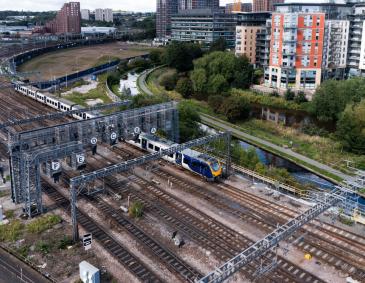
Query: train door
[[59, 106], [144, 144], [178, 157]]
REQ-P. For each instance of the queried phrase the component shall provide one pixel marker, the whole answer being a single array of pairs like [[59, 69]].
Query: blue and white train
[[51, 101], [202, 164]]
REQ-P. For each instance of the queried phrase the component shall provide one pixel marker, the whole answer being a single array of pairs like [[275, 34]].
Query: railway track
[[322, 240], [166, 256], [206, 231], [111, 245]]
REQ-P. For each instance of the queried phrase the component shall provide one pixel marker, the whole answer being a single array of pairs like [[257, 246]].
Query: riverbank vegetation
[[217, 83]]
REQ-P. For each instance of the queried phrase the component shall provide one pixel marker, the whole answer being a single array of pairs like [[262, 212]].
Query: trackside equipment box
[[89, 273]]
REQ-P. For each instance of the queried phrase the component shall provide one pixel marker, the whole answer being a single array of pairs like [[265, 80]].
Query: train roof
[[158, 139], [199, 155]]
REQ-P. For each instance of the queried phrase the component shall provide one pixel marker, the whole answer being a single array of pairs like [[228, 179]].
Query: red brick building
[[264, 5], [68, 20]]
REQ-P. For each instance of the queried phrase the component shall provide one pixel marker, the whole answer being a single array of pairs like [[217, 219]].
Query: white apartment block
[[104, 15], [335, 48], [85, 14]]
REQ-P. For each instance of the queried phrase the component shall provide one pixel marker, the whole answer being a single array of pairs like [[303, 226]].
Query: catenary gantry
[[85, 134]]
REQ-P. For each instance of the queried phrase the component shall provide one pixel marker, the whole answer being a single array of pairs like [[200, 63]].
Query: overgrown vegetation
[[136, 209], [43, 223], [15, 229], [98, 93]]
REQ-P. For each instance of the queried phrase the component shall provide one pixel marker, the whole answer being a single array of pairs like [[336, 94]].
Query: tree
[[328, 103], [236, 108], [351, 127], [219, 44], [168, 81], [217, 84], [156, 56], [289, 95], [181, 55], [188, 121], [199, 79], [184, 87]]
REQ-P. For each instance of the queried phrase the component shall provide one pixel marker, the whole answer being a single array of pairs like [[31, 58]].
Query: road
[[222, 125], [14, 271]]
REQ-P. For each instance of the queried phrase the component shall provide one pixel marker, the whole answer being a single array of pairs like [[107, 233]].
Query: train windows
[[171, 155], [185, 160], [139, 141], [157, 148], [150, 146]]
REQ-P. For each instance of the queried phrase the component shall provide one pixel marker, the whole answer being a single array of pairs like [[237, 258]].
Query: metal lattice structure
[[80, 181], [58, 115], [272, 240], [86, 134]]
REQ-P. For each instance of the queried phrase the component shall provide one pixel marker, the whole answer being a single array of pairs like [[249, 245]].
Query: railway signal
[[86, 241]]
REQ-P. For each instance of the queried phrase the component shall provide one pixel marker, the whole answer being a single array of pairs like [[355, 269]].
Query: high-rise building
[[198, 4], [85, 14], [264, 5], [203, 26], [165, 9], [68, 20], [296, 51], [104, 15], [238, 7]]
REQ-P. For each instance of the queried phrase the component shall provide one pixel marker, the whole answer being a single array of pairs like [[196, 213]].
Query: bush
[[235, 108], [43, 247], [313, 130], [64, 243], [12, 231], [215, 101], [169, 81], [184, 87], [289, 95], [136, 209], [300, 98], [156, 56]]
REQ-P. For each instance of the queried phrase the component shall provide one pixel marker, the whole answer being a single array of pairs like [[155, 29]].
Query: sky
[[125, 5]]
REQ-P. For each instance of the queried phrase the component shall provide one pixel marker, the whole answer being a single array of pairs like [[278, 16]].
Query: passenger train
[[51, 101], [192, 160]]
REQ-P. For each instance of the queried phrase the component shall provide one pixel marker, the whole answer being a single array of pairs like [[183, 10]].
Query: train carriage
[[202, 164]]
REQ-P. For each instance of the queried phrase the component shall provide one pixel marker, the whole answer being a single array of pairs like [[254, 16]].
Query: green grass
[[4, 193], [43, 223], [153, 83], [12, 231], [9, 214], [98, 93]]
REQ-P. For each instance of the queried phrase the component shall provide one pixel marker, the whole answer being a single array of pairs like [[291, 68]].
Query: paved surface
[[13, 270], [142, 82], [210, 121]]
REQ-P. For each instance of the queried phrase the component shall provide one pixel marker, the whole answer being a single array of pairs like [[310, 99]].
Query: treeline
[[208, 76], [343, 103]]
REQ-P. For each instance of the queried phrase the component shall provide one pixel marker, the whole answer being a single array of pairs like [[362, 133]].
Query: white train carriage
[[52, 101]]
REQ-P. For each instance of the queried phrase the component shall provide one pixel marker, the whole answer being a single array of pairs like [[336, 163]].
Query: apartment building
[[165, 9], [68, 20], [198, 4], [203, 26], [356, 45], [264, 5], [104, 15], [85, 14], [296, 50], [251, 36], [335, 49], [238, 7]]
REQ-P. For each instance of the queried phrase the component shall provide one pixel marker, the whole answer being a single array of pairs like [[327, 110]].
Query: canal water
[[299, 173]]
